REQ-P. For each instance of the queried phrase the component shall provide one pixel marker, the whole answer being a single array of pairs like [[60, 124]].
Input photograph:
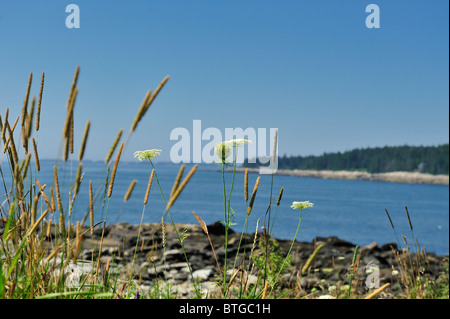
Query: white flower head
[[301, 205], [223, 150], [147, 155], [238, 142]]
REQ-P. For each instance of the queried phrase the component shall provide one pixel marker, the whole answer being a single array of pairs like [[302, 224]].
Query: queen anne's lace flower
[[301, 205], [238, 141], [147, 155], [223, 150]]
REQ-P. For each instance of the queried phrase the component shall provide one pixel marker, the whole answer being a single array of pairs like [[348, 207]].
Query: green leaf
[[8, 223]]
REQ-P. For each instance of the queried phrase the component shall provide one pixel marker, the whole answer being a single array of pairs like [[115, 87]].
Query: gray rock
[[203, 274]]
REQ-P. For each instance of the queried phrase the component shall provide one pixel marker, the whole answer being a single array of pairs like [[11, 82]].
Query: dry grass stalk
[[71, 135], [26, 124], [252, 199], [36, 224], [36, 156], [18, 181], [376, 292], [141, 112], [68, 124], [53, 254], [62, 224], [149, 185], [113, 174], [4, 125], [34, 208], [233, 276], [275, 147], [52, 199], [29, 122], [74, 83], [91, 208], [130, 190], [163, 229], [389, 217], [265, 290], [246, 185], [201, 222], [409, 219], [6, 144], [38, 113], [182, 186], [83, 141], [15, 123], [58, 194], [41, 190], [148, 100], [78, 178], [177, 180], [79, 239], [158, 89], [114, 145], [24, 139], [280, 195], [12, 146], [205, 229], [311, 258], [47, 201], [25, 101], [49, 228], [24, 166]]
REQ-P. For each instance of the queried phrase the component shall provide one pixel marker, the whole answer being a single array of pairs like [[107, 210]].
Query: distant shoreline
[[395, 177]]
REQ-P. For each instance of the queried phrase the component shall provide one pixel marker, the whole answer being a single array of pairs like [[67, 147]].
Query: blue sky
[[312, 69]]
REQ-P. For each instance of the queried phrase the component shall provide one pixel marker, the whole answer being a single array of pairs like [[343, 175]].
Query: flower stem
[[226, 229], [289, 252]]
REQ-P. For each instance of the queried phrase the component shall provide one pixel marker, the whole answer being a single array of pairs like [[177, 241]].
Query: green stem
[[227, 210], [270, 203], [289, 252], [273, 222], [232, 183], [226, 229], [351, 275]]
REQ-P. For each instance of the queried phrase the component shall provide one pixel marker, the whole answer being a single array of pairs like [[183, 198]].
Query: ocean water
[[351, 210]]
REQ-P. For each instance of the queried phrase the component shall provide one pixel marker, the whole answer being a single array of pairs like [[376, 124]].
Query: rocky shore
[[159, 261], [397, 177]]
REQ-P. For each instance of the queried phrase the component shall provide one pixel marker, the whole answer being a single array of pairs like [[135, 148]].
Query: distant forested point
[[424, 159]]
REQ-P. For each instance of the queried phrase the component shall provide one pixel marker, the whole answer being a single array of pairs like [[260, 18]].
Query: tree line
[[425, 159]]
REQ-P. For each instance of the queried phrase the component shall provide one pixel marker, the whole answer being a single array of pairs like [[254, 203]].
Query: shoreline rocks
[[329, 270], [395, 177]]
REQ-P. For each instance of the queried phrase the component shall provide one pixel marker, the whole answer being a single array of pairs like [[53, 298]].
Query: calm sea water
[[351, 210]]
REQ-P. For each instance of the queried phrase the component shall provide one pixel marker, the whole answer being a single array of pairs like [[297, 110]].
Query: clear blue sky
[[312, 69]]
